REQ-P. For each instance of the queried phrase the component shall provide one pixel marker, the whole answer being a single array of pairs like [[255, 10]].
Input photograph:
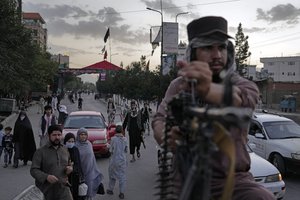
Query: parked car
[[276, 139], [95, 123], [266, 175]]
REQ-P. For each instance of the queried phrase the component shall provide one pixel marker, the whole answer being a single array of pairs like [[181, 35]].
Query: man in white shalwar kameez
[[117, 162]]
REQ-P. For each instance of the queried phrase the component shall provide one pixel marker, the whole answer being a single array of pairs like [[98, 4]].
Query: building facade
[[36, 24], [62, 60], [282, 69], [279, 78]]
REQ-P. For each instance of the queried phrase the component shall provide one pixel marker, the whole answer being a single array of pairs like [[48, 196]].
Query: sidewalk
[[31, 192]]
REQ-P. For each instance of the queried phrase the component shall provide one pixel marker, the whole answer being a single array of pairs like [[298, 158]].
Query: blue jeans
[[8, 155]]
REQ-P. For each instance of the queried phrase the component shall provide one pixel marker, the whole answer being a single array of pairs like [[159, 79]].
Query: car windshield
[[282, 129], [87, 121]]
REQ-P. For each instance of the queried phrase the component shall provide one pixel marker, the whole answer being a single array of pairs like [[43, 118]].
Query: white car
[[267, 175], [276, 139]]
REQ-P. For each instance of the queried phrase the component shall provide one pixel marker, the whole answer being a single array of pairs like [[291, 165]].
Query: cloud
[[74, 21], [168, 6], [247, 30], [285, 13], [55, 12]]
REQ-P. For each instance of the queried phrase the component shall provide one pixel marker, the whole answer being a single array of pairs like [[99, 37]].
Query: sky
[[77, 27]]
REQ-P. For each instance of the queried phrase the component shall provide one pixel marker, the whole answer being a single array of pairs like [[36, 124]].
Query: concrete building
[[36, 24], [62, 60], [279, 78], [282, 69]]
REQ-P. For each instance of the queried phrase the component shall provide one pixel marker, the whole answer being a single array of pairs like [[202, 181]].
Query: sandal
[[132, 160], [121, 195]]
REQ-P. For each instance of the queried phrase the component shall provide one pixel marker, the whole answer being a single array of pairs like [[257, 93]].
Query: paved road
[[141, 174], [18, 184]]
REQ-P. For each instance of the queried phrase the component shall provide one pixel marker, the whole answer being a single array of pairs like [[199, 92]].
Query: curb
[[32, 192]]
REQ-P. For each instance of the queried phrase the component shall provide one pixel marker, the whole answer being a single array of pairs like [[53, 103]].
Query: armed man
[[210, 61]]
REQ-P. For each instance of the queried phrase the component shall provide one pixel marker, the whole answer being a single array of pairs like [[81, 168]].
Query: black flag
[[106, 35]]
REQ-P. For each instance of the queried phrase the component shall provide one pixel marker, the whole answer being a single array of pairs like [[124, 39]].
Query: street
[[141, 175]]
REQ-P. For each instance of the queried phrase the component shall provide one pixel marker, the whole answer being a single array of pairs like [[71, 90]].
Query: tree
[[24, 67], [241, 51]]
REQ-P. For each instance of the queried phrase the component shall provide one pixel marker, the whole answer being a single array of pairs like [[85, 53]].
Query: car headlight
[[273, 178], [100, 141], [295, 156]]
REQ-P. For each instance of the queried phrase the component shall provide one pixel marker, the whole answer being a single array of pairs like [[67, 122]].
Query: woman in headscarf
[[23, 138], [92, 174], [76, 175]]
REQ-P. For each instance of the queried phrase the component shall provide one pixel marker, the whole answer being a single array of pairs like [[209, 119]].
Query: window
[[270, 63], [254, 128], [291, 63]]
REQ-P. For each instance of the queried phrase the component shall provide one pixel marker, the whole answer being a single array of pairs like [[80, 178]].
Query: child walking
[[8, 146], [117, 162]]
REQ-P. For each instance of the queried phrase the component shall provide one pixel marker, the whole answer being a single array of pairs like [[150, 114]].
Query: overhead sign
[[102, 76], [170, 38]]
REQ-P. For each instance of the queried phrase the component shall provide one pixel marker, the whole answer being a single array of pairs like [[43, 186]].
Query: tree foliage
[[24, 67], [136, 82], [241, 51]]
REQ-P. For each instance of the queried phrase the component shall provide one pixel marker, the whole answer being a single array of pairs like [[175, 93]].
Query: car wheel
[[278, 162]]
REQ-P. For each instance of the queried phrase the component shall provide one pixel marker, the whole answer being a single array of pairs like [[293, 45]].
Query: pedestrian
[[210, 55], [51, 166], [54, 102], [111, 111], [80, 100], [47, 120], [92, 175], [62, 114], [7, 144], [133, 123], [124, 107], [23, 138], [118, 162], [146, 112], [41, 105], [76, 176], [1, 137]]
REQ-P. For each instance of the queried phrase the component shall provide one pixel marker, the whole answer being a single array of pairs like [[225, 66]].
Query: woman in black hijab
[[23, 138]]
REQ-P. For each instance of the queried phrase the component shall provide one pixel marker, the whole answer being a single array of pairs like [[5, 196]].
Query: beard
[[216, 73], [55, 143]]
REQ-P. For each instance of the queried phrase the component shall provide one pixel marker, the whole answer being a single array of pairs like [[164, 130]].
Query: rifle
[[202, 134]]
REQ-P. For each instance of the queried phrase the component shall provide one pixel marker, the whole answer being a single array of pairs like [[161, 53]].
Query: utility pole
[[162, 48]]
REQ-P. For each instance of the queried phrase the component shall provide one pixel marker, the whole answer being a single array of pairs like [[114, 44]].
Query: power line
[[167, 8], [280, 37], [276, 42]]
